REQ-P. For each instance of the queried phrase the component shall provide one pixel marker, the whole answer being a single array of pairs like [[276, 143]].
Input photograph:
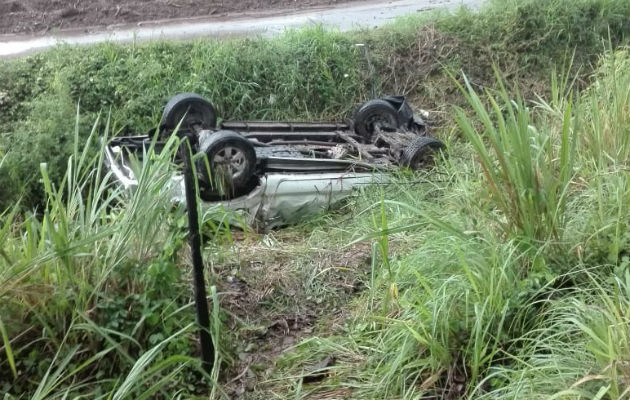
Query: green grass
[[90, 287], [304, 74], [501, 274], [479, 306]]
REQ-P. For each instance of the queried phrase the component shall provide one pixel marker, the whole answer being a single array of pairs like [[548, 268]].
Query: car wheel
[[193, 111], [404, 111], [373, 115], [228, 166], [420, 152]]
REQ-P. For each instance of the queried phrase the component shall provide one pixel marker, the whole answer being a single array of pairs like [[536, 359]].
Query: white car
[[274, 173]]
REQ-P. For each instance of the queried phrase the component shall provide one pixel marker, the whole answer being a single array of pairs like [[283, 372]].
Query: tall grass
[[605, 107], [506, 277], [475, 313], [579, 348], [92, 304], [527, 171]]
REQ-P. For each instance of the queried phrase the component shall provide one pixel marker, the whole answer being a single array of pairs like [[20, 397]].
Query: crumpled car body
[[270, 174]]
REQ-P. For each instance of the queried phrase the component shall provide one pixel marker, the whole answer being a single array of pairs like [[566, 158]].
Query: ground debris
[[276, 294]]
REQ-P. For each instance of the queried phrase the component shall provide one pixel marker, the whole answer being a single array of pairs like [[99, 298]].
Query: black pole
[[201, 303]]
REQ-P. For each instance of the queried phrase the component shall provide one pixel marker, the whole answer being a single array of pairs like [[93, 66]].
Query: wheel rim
[[232, 160]]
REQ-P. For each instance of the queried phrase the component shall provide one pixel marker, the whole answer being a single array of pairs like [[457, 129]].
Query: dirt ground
[[42, 16], [276, 292]]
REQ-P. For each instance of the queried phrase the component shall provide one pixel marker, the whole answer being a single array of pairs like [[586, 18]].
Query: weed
[[478, 313], [507, 276]]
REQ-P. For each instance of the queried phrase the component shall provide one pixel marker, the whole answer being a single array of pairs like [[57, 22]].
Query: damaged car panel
[[274, 173], [285, 198]]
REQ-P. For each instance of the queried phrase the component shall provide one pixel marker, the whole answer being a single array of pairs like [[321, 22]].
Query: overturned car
[[273, 173]]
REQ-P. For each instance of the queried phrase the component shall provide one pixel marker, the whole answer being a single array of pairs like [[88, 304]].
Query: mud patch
[[41, 16]]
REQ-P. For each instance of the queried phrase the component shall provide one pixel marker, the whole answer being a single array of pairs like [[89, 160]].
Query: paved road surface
[[344, 17]]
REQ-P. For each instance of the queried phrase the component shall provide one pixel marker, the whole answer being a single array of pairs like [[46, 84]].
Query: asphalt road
[[343, 17]]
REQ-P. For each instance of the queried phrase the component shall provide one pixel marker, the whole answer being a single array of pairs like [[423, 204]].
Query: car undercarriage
[[273, 173]]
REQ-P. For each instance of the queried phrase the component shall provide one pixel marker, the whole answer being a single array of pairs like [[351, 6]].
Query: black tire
[[375, 114], [231, 159], [404, 111], [420, 152], [199, 113]]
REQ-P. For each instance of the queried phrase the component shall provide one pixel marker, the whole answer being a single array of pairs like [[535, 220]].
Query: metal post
[[201, 303]]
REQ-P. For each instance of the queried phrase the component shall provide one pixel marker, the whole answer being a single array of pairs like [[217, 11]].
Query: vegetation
[[306, 74], [517, 282], [504, 273]]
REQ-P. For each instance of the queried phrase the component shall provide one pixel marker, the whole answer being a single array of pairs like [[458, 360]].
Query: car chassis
[[276, 172]]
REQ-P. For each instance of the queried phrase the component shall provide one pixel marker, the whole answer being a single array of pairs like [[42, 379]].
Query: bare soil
[[42, 16], [278, 294]]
